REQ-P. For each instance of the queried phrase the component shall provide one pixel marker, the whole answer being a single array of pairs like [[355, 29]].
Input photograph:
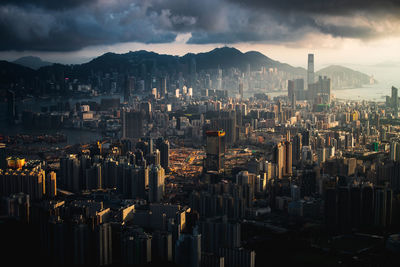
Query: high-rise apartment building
[[28, 181], [215, 151], [156, 183], [188, 250], [51, 185], [163, 146], [320, 91], [288, 158], [132, 124], [226, 121], [297, 145]]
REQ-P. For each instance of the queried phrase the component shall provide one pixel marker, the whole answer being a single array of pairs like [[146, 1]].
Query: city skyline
[[258, 133]]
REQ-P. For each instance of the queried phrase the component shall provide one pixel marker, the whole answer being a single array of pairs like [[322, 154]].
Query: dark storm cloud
[[290, 20], [335, 7], [47, 25], [348, 31], [48, 4], [233, 21], [68, 30]]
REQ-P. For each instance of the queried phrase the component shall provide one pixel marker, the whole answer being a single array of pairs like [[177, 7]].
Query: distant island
[[32, 62], [342, 77]]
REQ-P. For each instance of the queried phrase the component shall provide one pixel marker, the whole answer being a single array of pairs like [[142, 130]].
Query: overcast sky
[[73, 31]]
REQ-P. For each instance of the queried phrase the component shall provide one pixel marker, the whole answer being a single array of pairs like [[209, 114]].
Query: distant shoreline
[[333, 89], [351, 88]]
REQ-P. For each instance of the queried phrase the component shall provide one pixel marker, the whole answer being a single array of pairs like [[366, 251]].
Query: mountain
[[11, 74], [32, 62], [227, 57], [342, 77], [14, 73], [223, 58], [136, 63]]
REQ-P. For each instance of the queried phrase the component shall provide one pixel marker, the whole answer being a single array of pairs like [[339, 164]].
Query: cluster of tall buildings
[[252, 170], [316, 91], [283, 158], [28, 178], [358, 206], [137, 174]]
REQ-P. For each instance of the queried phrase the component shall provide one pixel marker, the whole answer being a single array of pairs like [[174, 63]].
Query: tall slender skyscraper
[[129, 87], [3, 162], [288, 158], [395, 101], [241, 89], [297, 145], [310, 69], [292, 94], [279, 159], [164, 157], [156, 183]]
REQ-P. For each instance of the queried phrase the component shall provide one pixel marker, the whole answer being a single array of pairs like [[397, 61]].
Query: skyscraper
[[215, 151], [150, 147], [288, 158], [241, 89], [156, 183], [188, 250], [3, 162], [161, 243], [70, 172], [51, 184], [135, 247], [394, 151], [310, 69], [299, 89], [17, 205], [129, 87], [395, 101], [367, 205], [226, 121], [163, 146], [296, 90], [297, 145], [103, 241], [156, 157], [320, 91], [291, 93], [132, 124], [380, 207], [279, 160]]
